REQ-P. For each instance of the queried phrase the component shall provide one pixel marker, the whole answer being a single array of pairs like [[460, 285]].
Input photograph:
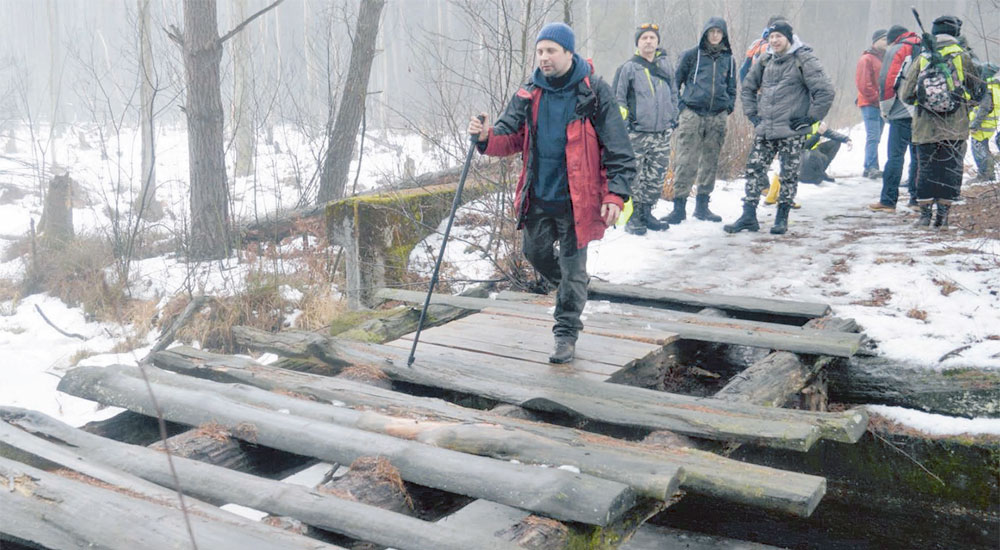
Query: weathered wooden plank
[[46, 509], [790, 308], [770, 381], [536, 335], [219, 484], [555, 493], [706, 473], [687, 325], [544, 389]]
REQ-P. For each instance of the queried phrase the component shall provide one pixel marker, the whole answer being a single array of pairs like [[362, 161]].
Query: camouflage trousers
[[789, 151], [652, 156], [698, 140]]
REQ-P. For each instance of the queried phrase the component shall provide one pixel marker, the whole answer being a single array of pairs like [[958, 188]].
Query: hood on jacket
[[716, 22], [580, 69]]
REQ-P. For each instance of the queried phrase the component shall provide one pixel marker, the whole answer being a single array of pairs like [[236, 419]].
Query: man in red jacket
[[578, 165], [866, 78]]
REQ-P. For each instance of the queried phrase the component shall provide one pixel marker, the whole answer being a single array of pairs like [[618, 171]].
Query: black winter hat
[[895, 32], [881, 33], [947, 24], [647, 27], [784, 28]]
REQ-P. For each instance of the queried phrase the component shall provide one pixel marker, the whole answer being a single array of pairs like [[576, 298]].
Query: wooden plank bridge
[[537, 464]]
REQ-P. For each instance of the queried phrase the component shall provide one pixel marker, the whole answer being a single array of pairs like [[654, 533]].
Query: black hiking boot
[[635, 224], [701, 210], [651, 222], [679, 213], [941, 219], [781, 220], [747, 221], [925, 216], [565, 349]]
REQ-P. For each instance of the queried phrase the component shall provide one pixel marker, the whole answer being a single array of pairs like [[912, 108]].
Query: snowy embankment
[[836, 252]]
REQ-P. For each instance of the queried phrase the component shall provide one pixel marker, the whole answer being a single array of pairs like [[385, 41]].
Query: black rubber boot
[[941, 219], [701, 210], [679, 214], [925, 216], [747, 221], [650, 220], [781, 220], [564, 351], [635, 224]]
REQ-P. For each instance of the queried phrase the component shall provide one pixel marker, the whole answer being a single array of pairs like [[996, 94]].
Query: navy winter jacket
[[555, 110], [708, 79]]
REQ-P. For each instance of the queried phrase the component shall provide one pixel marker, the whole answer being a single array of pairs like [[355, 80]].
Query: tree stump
[[56, 225]]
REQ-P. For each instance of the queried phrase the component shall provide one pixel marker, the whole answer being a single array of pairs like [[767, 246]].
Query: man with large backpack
[[707, 77], [577, 168], [784, 94], [647, 96], [758, 47], [939, 85], [903, 49]]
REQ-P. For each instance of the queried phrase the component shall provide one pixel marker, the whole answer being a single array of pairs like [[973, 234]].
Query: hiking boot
[[702, 212], [679, 213], [925, 216], [635, 224], [873, 173], [781, 220], [564, 351], [941, 219], [879, 207], [652, 224], [747, 221]]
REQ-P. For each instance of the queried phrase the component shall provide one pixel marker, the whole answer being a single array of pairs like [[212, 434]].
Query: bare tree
[[343, 133], [202, 46], [146, 95]]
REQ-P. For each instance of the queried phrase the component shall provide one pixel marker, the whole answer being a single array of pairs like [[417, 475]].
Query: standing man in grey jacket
[[647, 97], [783, 96]]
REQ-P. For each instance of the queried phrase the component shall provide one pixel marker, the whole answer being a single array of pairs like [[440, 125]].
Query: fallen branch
[[61, 331], [165, 340]]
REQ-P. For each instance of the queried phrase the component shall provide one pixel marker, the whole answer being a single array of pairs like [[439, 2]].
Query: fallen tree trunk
[[706, 473], [46, 509], [218, 484], [595, 501]]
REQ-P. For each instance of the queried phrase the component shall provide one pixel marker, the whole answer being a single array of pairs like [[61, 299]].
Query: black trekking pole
[[444, 242]]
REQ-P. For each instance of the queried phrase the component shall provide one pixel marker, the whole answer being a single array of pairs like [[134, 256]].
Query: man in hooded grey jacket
[[783, 96]]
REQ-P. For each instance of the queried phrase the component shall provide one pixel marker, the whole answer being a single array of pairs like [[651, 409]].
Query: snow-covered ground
[[836, 252]]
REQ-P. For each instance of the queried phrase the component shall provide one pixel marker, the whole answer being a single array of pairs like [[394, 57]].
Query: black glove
[[754, 119], [801, 123]]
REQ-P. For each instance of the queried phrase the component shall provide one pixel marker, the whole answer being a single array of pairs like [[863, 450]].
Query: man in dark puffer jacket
[[707, 77], [783, 95]]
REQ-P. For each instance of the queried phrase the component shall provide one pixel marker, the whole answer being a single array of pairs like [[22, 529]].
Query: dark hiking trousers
[[939, 174], [566, 267], [814, 162], [899, 144]]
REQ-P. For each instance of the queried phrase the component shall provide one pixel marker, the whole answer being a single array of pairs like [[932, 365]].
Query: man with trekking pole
[[577, 168]]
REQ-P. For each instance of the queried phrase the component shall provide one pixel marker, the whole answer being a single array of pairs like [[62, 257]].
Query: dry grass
[[879, 298], [80, 355], [76, 275], [364, 373], [214, 431], [917, 314], [380, 470], [319, 308], [947, 287]]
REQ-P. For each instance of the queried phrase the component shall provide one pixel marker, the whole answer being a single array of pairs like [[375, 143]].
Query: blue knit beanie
[[560, 33]]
